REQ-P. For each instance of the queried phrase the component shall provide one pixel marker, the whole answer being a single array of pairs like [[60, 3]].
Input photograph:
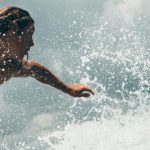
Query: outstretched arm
[[42, 74]]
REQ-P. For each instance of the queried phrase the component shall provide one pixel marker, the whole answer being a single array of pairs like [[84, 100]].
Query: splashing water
[[111, 57], [116, 62], [110, 135]]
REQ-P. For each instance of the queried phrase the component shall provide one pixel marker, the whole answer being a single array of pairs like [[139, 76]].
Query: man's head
[[16, 28], [13, 15]]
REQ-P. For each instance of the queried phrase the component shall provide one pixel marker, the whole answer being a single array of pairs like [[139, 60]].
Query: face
[[26, 40], [20, 42]]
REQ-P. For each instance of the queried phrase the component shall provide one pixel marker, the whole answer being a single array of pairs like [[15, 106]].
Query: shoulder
[[30, 64]]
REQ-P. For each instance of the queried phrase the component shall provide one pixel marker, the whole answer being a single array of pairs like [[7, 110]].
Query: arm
[[43, 75]]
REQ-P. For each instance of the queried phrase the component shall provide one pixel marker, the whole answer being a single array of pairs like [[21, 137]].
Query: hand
[[79, 90]]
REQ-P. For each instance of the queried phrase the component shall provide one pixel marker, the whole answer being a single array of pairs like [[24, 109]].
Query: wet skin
[[15, 44]]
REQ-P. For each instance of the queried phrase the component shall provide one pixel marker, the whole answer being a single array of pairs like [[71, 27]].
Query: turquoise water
[[102, 44]]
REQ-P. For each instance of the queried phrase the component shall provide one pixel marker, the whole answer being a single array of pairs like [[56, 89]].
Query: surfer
[[16, 30]]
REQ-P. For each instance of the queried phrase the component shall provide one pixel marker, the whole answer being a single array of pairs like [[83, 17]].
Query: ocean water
[[103, 44]]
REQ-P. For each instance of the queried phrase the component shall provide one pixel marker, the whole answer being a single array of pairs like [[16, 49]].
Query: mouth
[[27, 49]]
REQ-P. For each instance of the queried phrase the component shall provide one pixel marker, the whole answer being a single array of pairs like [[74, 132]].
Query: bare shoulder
[[27, 67], [30, 63]]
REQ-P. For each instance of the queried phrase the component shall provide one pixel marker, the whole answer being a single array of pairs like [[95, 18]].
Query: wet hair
[[10, 15]]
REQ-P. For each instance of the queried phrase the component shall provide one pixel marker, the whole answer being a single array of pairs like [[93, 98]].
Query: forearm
[[43, 75]]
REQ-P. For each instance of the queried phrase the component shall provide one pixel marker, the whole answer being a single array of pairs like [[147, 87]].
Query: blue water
[[104, 44]]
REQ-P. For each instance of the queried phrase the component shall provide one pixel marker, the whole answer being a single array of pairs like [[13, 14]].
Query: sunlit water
[[111, 57]]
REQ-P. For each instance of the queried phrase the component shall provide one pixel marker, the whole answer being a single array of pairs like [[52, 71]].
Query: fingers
[[79, 90], [87, 90], [81, 95], [84, 95]]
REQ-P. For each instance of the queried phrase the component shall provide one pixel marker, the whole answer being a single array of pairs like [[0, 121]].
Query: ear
[[14, 27]]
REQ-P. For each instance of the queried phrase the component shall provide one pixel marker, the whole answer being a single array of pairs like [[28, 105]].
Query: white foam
[[43, 120], [133, 134]]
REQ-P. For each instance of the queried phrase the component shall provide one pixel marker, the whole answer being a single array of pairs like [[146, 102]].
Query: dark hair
[[10, 15]]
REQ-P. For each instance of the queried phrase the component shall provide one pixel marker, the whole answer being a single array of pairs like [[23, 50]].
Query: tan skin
[[14, 46]]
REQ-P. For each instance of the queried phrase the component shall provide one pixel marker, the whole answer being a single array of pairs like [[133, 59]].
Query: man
[[16, 30]]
